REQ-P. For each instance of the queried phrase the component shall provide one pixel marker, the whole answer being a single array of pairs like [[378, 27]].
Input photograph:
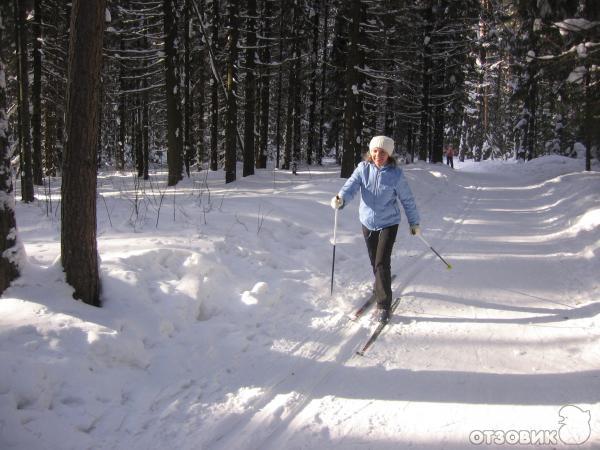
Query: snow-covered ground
[[217, 329]]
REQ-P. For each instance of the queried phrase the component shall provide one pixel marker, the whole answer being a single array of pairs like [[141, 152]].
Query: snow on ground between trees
[[217, 329]]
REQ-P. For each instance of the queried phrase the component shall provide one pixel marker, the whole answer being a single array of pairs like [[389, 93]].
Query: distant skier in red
[[450, 155]]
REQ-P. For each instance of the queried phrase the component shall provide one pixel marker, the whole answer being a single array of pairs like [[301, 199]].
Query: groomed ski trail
[[279, 411]]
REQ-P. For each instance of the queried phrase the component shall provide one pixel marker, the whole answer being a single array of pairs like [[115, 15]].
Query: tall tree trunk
[[527, 83], [50, 138], [352, 112], [588, 123], [36, 99], [9, 247], [314, 58], [426, 86], [532, 108], [214, 93], [145, 116], [389, 112], [250, 89], [289, 120], [51, 109], [298, 113], [410, 147], [438, 134], [279, 88], [145, 129], [78, 207], [231, 108], [265, 91], [439, 117], [292, 86], [27, 191], [120, 156], [199, 56], [425, 91], [483, 85], [139, 140], [324, 60], [173, 95], [187, 92]]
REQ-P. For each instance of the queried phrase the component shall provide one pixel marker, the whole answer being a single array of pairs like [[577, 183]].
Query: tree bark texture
[[173, 95], [250, 86], [9, 269], [78, 207], [27, 192], [353, 110], [231, 108]]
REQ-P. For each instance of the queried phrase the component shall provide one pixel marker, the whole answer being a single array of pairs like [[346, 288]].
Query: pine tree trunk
[[439, 119], [289, 121], [78, 207], [146, 129], [231, 107], [324, 60], [279, 88], [483, 86], [438, 134], [187, 94], [265, 91], [352, 112], [250, 89], [298, 113], [199, 57], [410, 147], [532, 107], [50, 107], [214, 94], [425, 89], [50, 138], [9, 249], [27, 191], [173, 95], [312, 141], [588, 122], [36, 118], [139, 140], [120, 156], [388, 121], [292, 85]]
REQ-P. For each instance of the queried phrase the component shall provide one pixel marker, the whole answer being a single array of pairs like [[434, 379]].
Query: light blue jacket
[[380, 190]]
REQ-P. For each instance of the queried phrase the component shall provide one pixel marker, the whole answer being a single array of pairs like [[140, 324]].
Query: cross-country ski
[[377, 331]]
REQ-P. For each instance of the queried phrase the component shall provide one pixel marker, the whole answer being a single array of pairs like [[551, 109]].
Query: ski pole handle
[[448, 266]]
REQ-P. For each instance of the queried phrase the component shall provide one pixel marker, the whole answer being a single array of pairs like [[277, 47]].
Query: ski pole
[[334, 239], [448, 266]]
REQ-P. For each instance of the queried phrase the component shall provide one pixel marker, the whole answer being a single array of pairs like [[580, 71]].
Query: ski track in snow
[[270, 428], [267, 429], [218, 331]]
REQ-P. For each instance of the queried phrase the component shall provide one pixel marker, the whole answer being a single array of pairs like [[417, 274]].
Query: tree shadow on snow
[[542, 315]]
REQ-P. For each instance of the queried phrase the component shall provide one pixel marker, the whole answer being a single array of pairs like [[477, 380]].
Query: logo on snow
[[575, 426], [574, 429]]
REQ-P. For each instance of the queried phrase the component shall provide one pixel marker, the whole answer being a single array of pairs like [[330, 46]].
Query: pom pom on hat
[[382, 142]]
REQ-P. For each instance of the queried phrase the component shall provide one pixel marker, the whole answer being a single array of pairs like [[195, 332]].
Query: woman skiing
[[381, 183]]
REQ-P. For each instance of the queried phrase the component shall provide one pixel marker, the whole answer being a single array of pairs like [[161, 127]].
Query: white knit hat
[[383, 142]]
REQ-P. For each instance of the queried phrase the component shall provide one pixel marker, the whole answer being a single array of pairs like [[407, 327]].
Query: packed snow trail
[[500, 343], [218, 332]]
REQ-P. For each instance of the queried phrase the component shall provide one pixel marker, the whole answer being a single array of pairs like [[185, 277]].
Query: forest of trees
[[205, 84]]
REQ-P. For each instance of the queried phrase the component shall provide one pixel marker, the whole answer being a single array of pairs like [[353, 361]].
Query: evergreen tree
[[10, 249], [79, 252]]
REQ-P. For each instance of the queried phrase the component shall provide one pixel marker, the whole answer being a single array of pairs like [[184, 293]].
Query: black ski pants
[[379, 245]]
